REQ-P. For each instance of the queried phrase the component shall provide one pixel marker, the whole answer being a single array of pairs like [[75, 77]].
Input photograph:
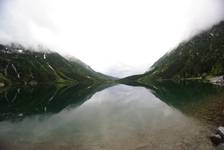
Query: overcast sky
[[117, 37]]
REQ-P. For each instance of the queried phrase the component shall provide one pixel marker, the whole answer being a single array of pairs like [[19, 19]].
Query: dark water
[[164, 116]]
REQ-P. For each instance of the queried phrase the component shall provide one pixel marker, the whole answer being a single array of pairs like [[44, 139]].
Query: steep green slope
[[22, 66], [86, 70], [201, 56]]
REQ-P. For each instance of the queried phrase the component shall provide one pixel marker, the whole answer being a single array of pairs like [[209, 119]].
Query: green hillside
[[19, 65], [200, 57]]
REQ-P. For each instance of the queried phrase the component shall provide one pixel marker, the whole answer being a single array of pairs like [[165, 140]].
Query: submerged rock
[[220, 147], [216, 139]]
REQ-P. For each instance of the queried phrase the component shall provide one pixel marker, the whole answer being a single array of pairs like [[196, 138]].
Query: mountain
[[84, 69], [19, 65], [200, 57]]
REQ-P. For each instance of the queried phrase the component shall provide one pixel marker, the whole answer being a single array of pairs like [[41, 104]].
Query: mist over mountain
[[200, 57], [135, 35], [111, 74], [19, 65]]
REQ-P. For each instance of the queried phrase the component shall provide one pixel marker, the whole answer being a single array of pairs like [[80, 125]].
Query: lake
[[163, 116]]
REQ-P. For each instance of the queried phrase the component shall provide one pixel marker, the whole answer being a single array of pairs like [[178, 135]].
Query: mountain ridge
[[19, 65], [201, 57]]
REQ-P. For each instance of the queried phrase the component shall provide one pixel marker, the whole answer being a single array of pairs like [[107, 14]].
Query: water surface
[[166, 116]]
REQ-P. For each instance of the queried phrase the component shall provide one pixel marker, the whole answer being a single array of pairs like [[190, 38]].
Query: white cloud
[[105, 34]]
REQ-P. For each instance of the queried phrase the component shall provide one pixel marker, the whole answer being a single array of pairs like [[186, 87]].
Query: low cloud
[[105, 34]]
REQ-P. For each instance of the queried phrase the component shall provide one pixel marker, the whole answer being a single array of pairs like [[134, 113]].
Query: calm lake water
[[165, 116]]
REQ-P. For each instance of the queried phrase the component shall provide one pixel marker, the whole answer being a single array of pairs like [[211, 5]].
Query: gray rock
[[220, 131], [216, 139]]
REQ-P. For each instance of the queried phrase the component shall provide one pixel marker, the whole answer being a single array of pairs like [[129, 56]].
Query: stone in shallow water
[[216, 139], [220, 131]]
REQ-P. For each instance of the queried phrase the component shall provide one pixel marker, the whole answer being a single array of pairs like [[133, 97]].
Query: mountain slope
[[84, 69], [22, 66], [201, 56]]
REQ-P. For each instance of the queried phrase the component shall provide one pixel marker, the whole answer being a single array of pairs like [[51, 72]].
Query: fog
[[119, 37]]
